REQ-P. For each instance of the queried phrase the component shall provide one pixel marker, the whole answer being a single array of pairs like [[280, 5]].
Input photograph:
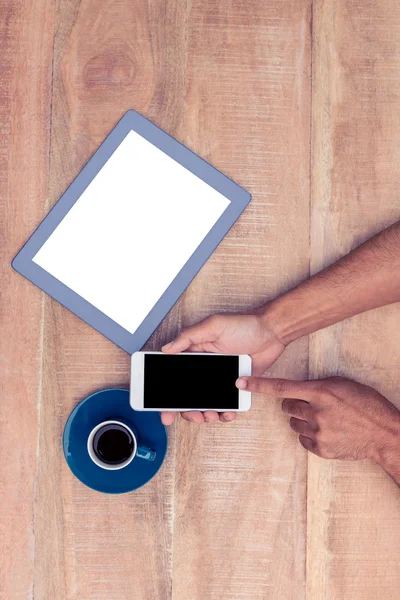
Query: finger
[[278, 387], [196, 348], [308, 443], [180, 344], [205, 347], [167, 418], [198, 334], [297, 408], [302, 427], [193, 416], [227, 417], [211, 416]]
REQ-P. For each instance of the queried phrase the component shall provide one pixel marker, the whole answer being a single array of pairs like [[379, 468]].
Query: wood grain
[[239, 492], [106, 60], [225, 519], [354, 508], [25, 87]]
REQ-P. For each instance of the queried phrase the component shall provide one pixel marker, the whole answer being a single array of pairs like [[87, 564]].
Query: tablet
[[132, 230]]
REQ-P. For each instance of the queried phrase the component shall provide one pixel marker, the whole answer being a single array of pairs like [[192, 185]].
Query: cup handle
[[146, 453]]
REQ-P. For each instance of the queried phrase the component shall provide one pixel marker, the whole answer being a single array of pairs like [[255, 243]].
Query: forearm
[[366, 278]]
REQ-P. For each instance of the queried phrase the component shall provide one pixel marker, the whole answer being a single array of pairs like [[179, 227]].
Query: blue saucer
[[102, 406]]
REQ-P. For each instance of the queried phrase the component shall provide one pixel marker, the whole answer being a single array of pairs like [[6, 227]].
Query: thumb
[[205, 331], [281, 388]]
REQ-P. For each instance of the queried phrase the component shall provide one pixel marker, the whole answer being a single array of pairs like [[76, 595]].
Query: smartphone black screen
[[176, 381]]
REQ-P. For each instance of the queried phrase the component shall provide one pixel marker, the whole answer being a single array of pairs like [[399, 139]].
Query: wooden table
[[297, 100]]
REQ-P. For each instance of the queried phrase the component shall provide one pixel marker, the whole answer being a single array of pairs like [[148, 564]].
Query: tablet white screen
[[131, 231]]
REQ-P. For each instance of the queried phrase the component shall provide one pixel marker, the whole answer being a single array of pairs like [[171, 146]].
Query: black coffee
[[113, 444]]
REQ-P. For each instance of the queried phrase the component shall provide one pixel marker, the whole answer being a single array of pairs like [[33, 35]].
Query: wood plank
[[353, 508], [240, 488], [26, 52], [106, 60]]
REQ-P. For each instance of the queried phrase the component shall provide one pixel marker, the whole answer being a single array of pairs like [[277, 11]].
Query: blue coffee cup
[[113, 445]]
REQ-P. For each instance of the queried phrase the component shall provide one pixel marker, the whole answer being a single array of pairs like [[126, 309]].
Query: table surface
[[298, 101]]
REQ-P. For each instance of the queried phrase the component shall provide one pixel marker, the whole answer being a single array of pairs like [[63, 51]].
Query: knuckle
[[320, 418], [257, 384], [280, 387], [330, 383], [319, 437], [324, 390], [320, 386]]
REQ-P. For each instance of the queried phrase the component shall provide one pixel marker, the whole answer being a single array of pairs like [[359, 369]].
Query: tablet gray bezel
[[131, 342]]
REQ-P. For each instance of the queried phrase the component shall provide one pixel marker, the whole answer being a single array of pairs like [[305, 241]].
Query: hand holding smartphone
[[189, 381]]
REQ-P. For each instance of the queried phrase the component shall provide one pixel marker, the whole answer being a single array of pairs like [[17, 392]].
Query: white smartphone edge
[[137, 383]]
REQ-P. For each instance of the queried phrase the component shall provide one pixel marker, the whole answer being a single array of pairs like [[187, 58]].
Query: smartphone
[[188, 381]]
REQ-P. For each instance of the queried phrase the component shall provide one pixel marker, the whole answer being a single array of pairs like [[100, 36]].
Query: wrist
[[281, 317], [303, 310]]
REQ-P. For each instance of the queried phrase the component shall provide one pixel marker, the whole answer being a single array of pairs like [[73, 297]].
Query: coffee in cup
[[113, 445]]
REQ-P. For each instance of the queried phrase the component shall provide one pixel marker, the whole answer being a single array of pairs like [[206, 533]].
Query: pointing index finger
[[282, 388]]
